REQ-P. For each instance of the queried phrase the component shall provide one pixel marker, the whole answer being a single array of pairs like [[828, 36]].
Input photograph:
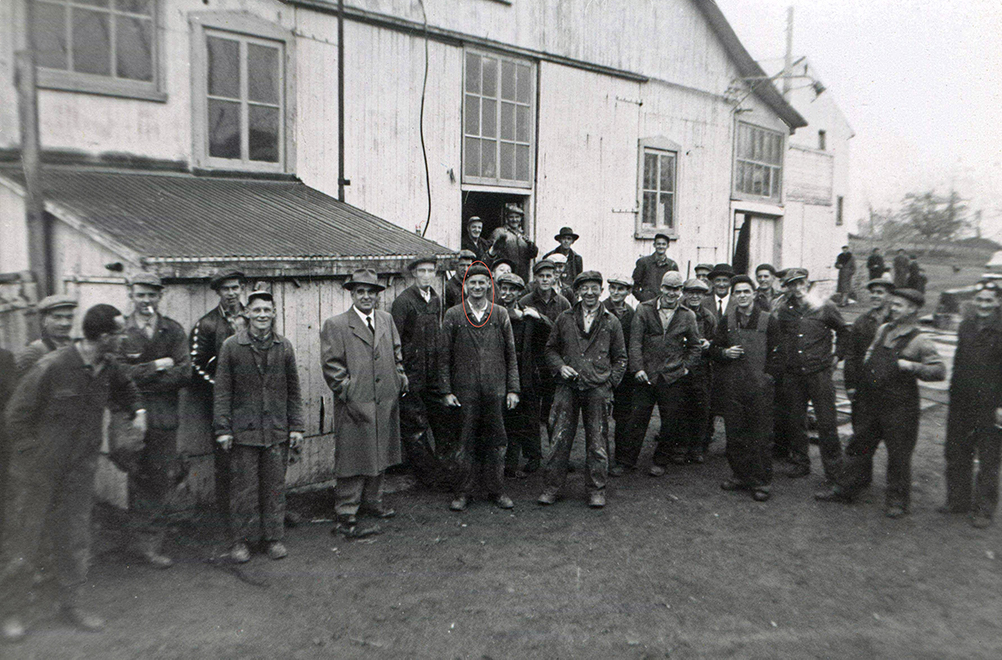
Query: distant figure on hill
[[900, 269], [845, 262], [875, 264]]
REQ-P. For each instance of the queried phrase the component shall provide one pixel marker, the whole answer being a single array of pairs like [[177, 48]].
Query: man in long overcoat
[[875, 264], [363, 364], [479, 376], [900, 264]]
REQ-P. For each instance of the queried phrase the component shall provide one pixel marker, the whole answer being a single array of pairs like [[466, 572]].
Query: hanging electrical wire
[[424, 149]]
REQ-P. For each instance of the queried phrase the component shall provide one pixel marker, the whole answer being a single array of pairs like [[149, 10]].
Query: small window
[[242, 90], [657, 190], [98, 46], [839, 202], [758, 163], [498, 120], [822, 140]]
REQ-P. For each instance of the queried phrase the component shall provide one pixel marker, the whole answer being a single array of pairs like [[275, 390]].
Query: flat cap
[[512, 207], [424, 259], [794, 274], [223, 275], [558, 258], [541, 264], [149, 279], [884, 280], [262, 294], [477, 269], [912, 295], [512, 279], [56, 301], [672, 278], [588, 276], [664, 236], [620, 279], [707, 267], [466, 254], [696, 284]]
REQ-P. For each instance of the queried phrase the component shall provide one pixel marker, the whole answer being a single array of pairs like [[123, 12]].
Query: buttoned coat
[[366, 374], [418, 323], [257, 401], [647, 276], [663, 352], [599, 356], [478, 360], [977, 366], [160, 389]]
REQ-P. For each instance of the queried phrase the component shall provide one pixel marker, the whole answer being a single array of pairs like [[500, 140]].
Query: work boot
[[377, 511], [147, 547], [460, 503], [12, 630], [617, 470], [504, 502], [596, 499], [548, 497], [81, 619], [240, 553], [656, 471], [832, 494], [276, 550]]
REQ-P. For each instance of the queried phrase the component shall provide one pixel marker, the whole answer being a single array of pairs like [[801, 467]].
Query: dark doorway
[[742, 243], [490, 208]]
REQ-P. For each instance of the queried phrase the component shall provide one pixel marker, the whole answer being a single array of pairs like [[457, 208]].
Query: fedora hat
[[721, 270], [566, 231], [364, 276]]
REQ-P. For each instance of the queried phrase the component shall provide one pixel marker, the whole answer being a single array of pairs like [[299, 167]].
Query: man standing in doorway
[[57, 320], [510, 242], [650, 270], [363, 365], [575, 265], [154, 353], [473, 239]]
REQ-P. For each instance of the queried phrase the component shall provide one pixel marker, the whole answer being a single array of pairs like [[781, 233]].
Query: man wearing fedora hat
[[886, 405], [363, 365], [649, 270], [417, 312], [510, 242], [473, 239], [57, 313], [720, 298], [566, 237], [154, 353]]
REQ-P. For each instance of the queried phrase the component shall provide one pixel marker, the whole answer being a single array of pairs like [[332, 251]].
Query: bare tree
[[933, 217]]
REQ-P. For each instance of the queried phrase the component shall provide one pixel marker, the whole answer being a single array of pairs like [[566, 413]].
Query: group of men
[[461, 390]]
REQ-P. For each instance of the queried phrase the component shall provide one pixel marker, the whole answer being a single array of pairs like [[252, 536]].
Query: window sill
[[648, 234], [65, 81]]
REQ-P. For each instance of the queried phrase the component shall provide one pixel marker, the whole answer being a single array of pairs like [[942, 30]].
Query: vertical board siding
[[14, 229]]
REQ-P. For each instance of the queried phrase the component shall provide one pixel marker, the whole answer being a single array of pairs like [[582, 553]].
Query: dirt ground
[[672, 568]]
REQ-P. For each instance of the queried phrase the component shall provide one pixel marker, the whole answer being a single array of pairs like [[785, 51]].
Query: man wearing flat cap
[[566, 237], [886, 405], [620, 286], [206, 340], [587, 353], [454, 287], [695, 413], [561, 286], [664, 346], [57, 313], [702, 272], [154, 353], [651, 269], [473, 239], [800, 349], [478, 374], [363, 365], [510, 242], [864, 329], [543, 299], [417, 312]]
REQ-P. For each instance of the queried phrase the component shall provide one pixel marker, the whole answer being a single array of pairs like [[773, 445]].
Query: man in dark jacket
[[900, 264], [664, 346], [740, 347], [206, 340], [258, 419], [587, 352], [766, 293], [154, 353], [544, 299], [845, 263], [510, 242], [975, 418], [454, 287], [479, 375], [57, 312], [55, 420], [651, 269], [887, 405], [473, 239], [800, 348], [620, 287], [875, 264], [575, 265], [864, 329], [694, 437], [417, 313]]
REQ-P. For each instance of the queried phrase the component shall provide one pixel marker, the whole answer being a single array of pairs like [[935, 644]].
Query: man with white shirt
[[720, 298]]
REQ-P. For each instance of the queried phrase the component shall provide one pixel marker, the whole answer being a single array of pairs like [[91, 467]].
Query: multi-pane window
[[758, 166], [244, 99], [657, 211], [109, 42], [497, 120]]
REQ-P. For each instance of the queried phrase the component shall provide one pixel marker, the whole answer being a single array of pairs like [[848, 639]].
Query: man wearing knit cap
[[664, 346], [586, 351], [651, 269], [56, 320], [620, 287], [887, 405]]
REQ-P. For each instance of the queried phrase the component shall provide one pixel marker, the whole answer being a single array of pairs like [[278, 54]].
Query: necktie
[[720, 307], [368, 321]]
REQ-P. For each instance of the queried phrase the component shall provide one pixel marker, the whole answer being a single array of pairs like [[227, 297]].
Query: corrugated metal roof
[[181, 215]]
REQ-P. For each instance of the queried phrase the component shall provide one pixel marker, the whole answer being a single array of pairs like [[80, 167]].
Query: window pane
[[507, 161], [508, 81], [471, 157], [264, 76], [472, 73], [472, 115], [91, 42], [522, 161], [667, 173], [744, 142], [224, 129], [135, 6], [650, 171], [50, 35], [524, 78], [93, 3], [742, 177], [766, 181], [488, 159], [490, 118], [650, 209], [522, 123], [263, 133], [490, 87], [777, 180], [668, 217], [507, 121], [757, 180], [134, 48], [224, 67]]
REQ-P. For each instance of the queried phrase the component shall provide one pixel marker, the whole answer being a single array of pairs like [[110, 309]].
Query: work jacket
[[977, 366], [748, 371], [899, 340], [530, 343], [647, 275], [515, 247], [663, 353], [257, 395], [861, 335], [706, 324], [625, 316], [599, 355], [418, 324], [477, 360], [551, 310], [207, 339], [160, 388], [800, 333], [575, 264]]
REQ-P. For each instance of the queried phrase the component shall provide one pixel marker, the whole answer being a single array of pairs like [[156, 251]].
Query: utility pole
[[39, 241], [788, 61]]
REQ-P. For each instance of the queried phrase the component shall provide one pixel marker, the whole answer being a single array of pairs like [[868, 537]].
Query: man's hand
[[295, 439], [834, 361], [405, 384], [906, 366], [851, 393], [642, 377], [451, 401], [704, 343], [163, 363], [516, 313], [512, 400], [531, 312], [734, 352], [139, 422], [225, 442], [568, 373]]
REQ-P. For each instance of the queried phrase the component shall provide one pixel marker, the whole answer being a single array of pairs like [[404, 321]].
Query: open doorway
[[489, 207], [757, 239]]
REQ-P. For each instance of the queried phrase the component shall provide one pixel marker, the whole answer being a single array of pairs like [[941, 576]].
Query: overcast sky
[[918, 80]]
